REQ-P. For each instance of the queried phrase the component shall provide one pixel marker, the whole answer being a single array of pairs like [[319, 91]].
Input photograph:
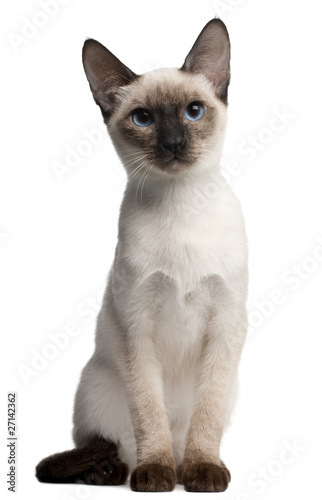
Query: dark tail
[[97, 463]]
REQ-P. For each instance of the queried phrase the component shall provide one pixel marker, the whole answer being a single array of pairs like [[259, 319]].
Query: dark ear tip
[[216, 21], [89, 44]]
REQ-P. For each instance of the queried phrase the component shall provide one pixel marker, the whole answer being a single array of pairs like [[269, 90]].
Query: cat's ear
[[105, 74], [210, 55]]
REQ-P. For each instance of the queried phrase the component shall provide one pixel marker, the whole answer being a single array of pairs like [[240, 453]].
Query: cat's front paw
[[206, 477], [153, 477]]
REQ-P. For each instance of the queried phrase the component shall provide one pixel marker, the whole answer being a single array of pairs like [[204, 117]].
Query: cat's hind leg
[[101, 409]]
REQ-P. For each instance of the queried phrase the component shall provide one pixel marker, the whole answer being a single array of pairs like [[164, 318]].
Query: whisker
[[138, 186], [134, 153], [136, 170], [149, 170]]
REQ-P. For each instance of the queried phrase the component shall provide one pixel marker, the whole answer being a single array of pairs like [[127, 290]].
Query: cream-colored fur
[[170, 332]]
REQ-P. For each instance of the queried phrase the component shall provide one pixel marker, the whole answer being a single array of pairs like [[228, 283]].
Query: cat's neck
[[188, 191]]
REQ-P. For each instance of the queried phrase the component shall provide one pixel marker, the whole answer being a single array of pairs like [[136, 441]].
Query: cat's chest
[[179, 326], [186, 253]]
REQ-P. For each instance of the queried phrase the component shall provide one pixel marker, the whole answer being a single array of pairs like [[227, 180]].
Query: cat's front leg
[[156, 468], [203, 469]]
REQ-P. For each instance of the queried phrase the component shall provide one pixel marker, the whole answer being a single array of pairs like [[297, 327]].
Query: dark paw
[[206, 477], [110, 471], [153, 477]]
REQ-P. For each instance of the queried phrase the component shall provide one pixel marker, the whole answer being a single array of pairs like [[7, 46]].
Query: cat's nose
[[173, 145]]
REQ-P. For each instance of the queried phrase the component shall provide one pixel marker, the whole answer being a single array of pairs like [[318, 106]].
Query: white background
[[57, 236]]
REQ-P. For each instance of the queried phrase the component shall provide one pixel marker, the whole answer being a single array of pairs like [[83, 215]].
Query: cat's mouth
[[175, 164]]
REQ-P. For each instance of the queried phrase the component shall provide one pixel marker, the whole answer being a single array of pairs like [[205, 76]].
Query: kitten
[[157, 393]]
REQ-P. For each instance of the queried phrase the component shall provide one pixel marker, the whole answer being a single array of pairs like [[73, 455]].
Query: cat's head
[[168, 120]]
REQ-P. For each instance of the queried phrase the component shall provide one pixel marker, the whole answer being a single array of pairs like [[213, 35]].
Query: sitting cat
[[157, 393]]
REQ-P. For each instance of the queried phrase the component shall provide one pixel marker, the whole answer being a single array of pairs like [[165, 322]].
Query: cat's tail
[[97, 463]]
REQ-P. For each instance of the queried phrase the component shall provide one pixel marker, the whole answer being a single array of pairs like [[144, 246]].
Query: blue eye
[[194, 111], [142, 117]]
